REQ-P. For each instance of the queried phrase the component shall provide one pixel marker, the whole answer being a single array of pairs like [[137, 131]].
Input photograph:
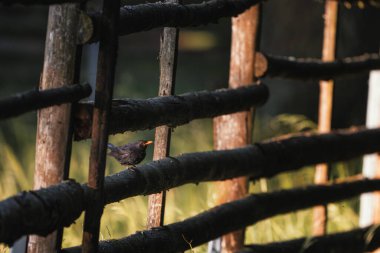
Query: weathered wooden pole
[[325, 107], [235, 130], [103, 96], [53, 122], [369, 202], [168, 64]]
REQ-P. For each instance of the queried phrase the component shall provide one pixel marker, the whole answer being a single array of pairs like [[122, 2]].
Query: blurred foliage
[[361, 4], [128, 216]]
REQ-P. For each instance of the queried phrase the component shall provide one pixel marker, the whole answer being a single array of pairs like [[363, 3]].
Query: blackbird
[[131, 153]]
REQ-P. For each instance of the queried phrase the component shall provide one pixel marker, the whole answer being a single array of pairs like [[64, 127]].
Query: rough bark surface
[[354, 241], [325, 108], [140, 114], [168, 65], [315, 69], [105, 79], [53, 122], [38, 99], [229, 217], [235, 130]]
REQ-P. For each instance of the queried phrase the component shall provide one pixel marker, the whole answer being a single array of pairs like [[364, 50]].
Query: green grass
[[128, 216]]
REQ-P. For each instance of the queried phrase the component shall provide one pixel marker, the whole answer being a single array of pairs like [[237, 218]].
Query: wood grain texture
[[168, 64], [325, 107], [235, 130], [105, 78], [53, 122]]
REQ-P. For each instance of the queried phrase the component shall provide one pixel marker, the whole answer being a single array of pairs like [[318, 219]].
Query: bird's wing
[[127, 147], [125, 153]]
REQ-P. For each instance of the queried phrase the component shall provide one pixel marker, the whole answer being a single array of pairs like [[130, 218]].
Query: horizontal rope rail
[[40, 212], [38, 2], [264, 159], [260, 160], [354, 241], [192, 232], [36, 99], [143, 17], [140, 114], [49, 2], [307, 69]]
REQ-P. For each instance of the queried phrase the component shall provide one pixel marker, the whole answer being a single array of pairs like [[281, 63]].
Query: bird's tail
[[111, 146]]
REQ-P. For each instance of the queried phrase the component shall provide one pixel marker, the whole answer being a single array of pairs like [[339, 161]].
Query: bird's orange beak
[[148, 143]]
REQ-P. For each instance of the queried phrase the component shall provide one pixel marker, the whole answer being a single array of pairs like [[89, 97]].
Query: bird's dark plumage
[[129, 154]]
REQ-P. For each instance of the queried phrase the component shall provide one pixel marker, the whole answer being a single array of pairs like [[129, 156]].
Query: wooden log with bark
[[53, 123], [105, 80]]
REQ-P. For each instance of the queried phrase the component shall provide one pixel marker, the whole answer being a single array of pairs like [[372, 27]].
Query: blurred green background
[[202, 64]]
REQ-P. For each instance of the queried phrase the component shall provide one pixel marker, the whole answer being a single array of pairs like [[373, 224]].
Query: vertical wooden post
[[108, 44], [168, 64], [53, 122], [235, 130], [325, 107], [369, 202]]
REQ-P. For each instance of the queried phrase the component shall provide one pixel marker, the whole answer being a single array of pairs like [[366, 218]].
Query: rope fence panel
[[260, 160], [230, 217], [40, 212]]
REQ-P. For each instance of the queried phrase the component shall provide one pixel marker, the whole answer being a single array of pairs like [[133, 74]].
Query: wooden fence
[[55, 204]]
